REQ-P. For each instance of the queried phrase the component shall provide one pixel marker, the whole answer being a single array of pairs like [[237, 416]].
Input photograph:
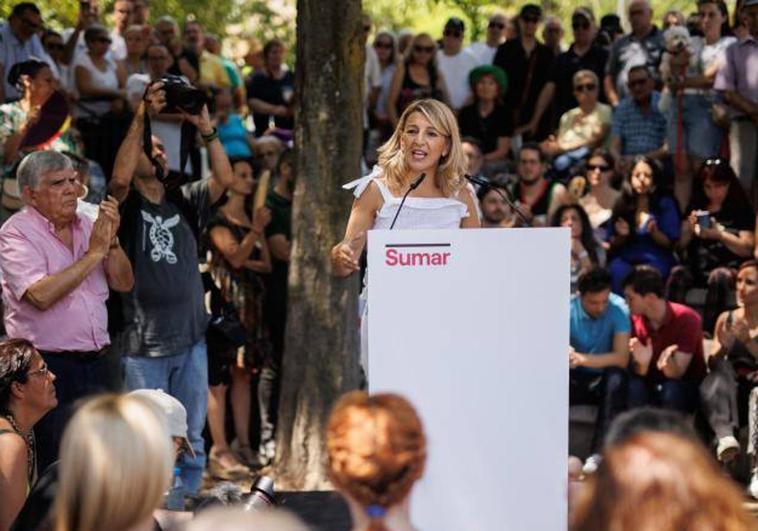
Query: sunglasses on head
[[452, 33], [601, 167], [423, 49], [586, 87], [498, 25]]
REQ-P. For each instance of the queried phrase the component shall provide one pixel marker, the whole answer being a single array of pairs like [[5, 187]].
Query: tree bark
[[321, 358]]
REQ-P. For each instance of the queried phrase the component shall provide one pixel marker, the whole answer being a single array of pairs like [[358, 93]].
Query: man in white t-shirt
[[122, 12], [455, 63], [485, 51]]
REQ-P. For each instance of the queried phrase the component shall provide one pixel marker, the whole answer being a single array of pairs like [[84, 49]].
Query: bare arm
[[50, 289], [546, 96], [472, 221], [237, 252], [263, 107], [501, 151], [610, 90], [619, 357], [130, 150], [13, 479], [118, 270], [675, 365], [280, 247], [345, 254], [222, 176], [739, 102]]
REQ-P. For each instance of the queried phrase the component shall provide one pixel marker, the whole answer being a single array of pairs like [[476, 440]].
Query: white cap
[[176, 415]]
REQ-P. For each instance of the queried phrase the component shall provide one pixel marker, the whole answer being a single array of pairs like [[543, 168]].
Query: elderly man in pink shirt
[[57, 267]]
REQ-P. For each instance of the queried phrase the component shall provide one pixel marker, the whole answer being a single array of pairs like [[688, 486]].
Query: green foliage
[[430, 15]]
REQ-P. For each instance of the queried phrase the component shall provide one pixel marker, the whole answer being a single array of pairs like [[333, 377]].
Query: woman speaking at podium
[[418, 183]]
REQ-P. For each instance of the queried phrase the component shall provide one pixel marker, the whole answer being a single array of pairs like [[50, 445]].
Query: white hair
[[37, 164]]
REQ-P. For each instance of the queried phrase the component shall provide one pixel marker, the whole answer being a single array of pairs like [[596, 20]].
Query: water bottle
[[261, 495], [174, 500]]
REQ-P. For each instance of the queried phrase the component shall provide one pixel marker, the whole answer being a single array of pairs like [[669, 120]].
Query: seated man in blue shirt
[[599, 352]]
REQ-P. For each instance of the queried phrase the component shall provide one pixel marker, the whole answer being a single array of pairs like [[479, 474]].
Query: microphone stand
[[417, 181], [502, 193]]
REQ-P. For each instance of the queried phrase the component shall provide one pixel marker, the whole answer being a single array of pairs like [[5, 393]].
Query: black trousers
[[77, 375], [607, 390]]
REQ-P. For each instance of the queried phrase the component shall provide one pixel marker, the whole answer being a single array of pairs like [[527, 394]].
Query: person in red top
[[666, 346]]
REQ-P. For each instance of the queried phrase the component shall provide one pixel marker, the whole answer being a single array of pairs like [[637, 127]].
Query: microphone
[[417, 181], [502, 192]]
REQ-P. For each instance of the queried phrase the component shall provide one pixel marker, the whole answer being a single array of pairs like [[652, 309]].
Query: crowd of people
[[146, 232]]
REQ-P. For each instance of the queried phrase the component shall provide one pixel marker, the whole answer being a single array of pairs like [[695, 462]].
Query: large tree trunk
[[321, 358]]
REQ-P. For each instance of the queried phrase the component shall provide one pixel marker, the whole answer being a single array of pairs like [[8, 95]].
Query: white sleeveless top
[[100, 79], [417, 212]]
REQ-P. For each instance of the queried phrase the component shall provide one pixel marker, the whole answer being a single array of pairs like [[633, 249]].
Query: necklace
[[31, 457]]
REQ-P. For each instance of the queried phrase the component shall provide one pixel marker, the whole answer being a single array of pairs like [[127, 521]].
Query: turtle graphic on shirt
[[161, 237]]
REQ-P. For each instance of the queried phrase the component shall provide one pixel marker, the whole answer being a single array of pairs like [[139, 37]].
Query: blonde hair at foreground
[[660, 482], [116, 464], [451, 168], [236, 519]]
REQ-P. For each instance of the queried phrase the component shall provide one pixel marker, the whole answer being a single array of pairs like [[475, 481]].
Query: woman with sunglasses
[[27, 393], [692, 133], [601, 196], [416, 78], [716, 235], [99, 83]]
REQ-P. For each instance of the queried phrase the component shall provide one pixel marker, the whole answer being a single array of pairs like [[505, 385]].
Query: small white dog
[[676, 58]]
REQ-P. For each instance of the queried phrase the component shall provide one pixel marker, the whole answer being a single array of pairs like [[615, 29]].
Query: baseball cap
[[455, 23], [176, 415], [530, 10]]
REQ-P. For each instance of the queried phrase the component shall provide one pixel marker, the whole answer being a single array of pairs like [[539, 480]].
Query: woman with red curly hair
[[377, 451], [660, 481]]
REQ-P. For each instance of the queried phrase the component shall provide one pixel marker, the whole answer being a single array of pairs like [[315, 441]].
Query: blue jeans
[[564, 161], [679, 395], [700, 135], [184, 376]]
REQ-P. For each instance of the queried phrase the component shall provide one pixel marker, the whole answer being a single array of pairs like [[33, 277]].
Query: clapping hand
[[666, 357], [641, 352], [576, 359]]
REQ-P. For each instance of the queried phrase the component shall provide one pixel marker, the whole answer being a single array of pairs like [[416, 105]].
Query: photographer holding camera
[[162, 333]]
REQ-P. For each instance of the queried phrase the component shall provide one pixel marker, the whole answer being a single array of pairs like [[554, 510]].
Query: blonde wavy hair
[[377, 449], [116, 464], [451, 168]]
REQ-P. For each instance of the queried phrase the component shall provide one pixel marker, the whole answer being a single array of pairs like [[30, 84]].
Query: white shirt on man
[[455, 70], [483, 52]]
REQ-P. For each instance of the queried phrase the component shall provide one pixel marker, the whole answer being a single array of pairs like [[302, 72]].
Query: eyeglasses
[[531, 20], [498, 25], [601, 167], [453, 33], [638, 82], [581, 24], [44, 370], [102, 40], [385, 45], [423, 49], [586, 87]]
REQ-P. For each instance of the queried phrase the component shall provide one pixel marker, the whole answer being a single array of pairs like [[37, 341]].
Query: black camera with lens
[[180, 95]]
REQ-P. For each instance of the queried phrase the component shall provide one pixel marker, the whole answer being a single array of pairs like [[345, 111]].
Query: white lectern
[[472, 326]]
